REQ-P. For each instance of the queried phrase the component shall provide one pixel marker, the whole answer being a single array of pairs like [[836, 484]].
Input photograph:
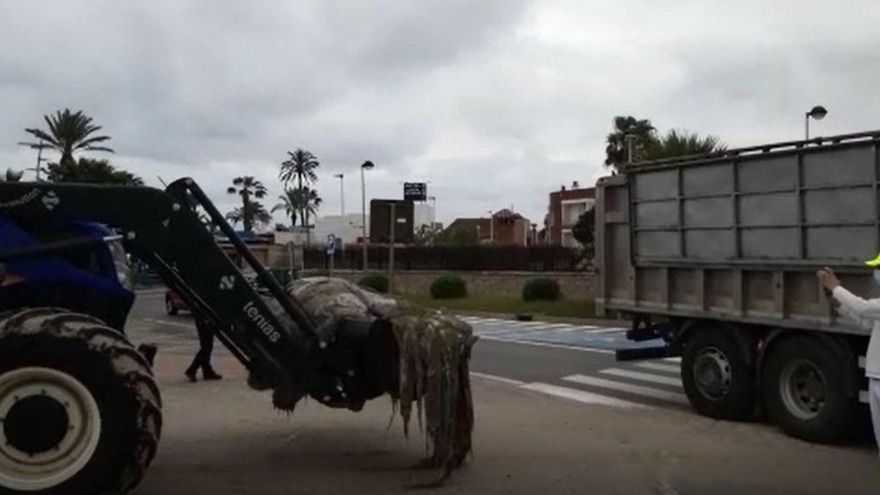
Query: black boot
[[210, 374], [191, 374]]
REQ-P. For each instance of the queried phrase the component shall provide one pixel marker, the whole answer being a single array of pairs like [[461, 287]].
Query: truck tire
[[804, 384], [80, 412], [717, 374]]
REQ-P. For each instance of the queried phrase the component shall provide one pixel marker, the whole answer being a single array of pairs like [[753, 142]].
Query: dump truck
[[80, 410], [714, 257]]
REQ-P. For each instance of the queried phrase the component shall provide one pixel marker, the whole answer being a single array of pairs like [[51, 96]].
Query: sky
[[494, 103]]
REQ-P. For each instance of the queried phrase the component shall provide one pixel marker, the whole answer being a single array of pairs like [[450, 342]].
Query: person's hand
[[828, 279]]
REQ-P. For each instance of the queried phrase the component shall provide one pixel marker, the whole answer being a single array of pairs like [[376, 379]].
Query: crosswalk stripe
[[645, 377], [509, 381], [628, 388], [650, 365], [533, 343], [477, 319], [605, 330], [673, 359], [492, 323], [581, 396], [530, 324], [170, 323], [552, 327]]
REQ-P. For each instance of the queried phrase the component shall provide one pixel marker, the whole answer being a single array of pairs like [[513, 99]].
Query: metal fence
[[453, 258]]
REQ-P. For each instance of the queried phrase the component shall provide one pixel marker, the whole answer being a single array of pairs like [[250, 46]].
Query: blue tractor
[[80, 411]]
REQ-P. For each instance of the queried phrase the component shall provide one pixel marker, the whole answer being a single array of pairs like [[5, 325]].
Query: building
[[566, 206], [423, 214], [504, 228], [345, 227]]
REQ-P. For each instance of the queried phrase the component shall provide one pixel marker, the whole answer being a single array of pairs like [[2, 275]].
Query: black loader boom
[[273, 337]]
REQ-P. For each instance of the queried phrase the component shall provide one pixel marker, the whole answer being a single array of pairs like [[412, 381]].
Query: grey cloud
[[495, 102]]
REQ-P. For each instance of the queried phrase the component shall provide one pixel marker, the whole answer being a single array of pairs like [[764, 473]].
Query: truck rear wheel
[[80, 412], [717, 376], [804, 386]]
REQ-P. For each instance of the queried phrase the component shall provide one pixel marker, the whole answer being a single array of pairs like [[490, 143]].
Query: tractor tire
[[804, 384], [80, 412], [717, 375]]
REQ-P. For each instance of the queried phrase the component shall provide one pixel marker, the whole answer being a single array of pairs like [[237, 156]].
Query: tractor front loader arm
[[286, 351]]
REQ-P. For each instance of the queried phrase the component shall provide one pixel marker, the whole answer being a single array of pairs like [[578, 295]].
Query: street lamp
[[818, 112], [341, 194], [368, 165]]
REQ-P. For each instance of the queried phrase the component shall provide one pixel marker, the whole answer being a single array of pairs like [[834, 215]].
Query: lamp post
[[367, 165], [818, 112], [491, 228], [341, 193]]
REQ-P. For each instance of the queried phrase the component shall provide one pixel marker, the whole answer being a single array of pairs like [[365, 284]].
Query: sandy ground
[[221, 437]]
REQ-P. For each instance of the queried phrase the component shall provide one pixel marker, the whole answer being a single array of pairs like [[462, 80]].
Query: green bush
[[541, 289], [448, 287], [376, 282]]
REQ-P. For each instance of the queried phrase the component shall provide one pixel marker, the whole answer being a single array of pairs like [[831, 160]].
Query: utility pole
[[341, 193], [367, 165], [39, 147], [491, 228], [391, 250]]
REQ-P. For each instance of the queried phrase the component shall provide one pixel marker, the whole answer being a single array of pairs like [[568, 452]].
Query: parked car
[[174, 303]]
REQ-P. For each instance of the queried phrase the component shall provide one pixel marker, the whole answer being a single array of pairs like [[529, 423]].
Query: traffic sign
[[331, 244]]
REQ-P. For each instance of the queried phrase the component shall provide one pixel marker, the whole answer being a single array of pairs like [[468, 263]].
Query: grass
[[564, 308]]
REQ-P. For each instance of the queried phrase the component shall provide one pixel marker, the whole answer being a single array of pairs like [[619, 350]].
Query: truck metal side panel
[[739, 235]]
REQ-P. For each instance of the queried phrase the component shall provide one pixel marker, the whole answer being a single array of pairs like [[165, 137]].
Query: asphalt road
[[554, 412]]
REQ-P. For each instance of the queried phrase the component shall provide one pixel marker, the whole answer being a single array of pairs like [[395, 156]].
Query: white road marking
[[673, 359], [628, 388], [170, 323], [551, 327], [147, 292], [605, 330], [645, 377], [494, 378], [495, 323], [582, 396], [650, 365], [546, 344]]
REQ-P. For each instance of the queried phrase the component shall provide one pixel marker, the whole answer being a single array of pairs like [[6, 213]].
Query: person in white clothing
[[867, 313]]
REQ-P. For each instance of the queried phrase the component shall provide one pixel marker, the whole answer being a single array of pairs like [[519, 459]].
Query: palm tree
[[300, 166], [299, 201], [87, 170], [248, 187], [253, 213], [69, 132], [616, 149], [11, 176], [682, 143]]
